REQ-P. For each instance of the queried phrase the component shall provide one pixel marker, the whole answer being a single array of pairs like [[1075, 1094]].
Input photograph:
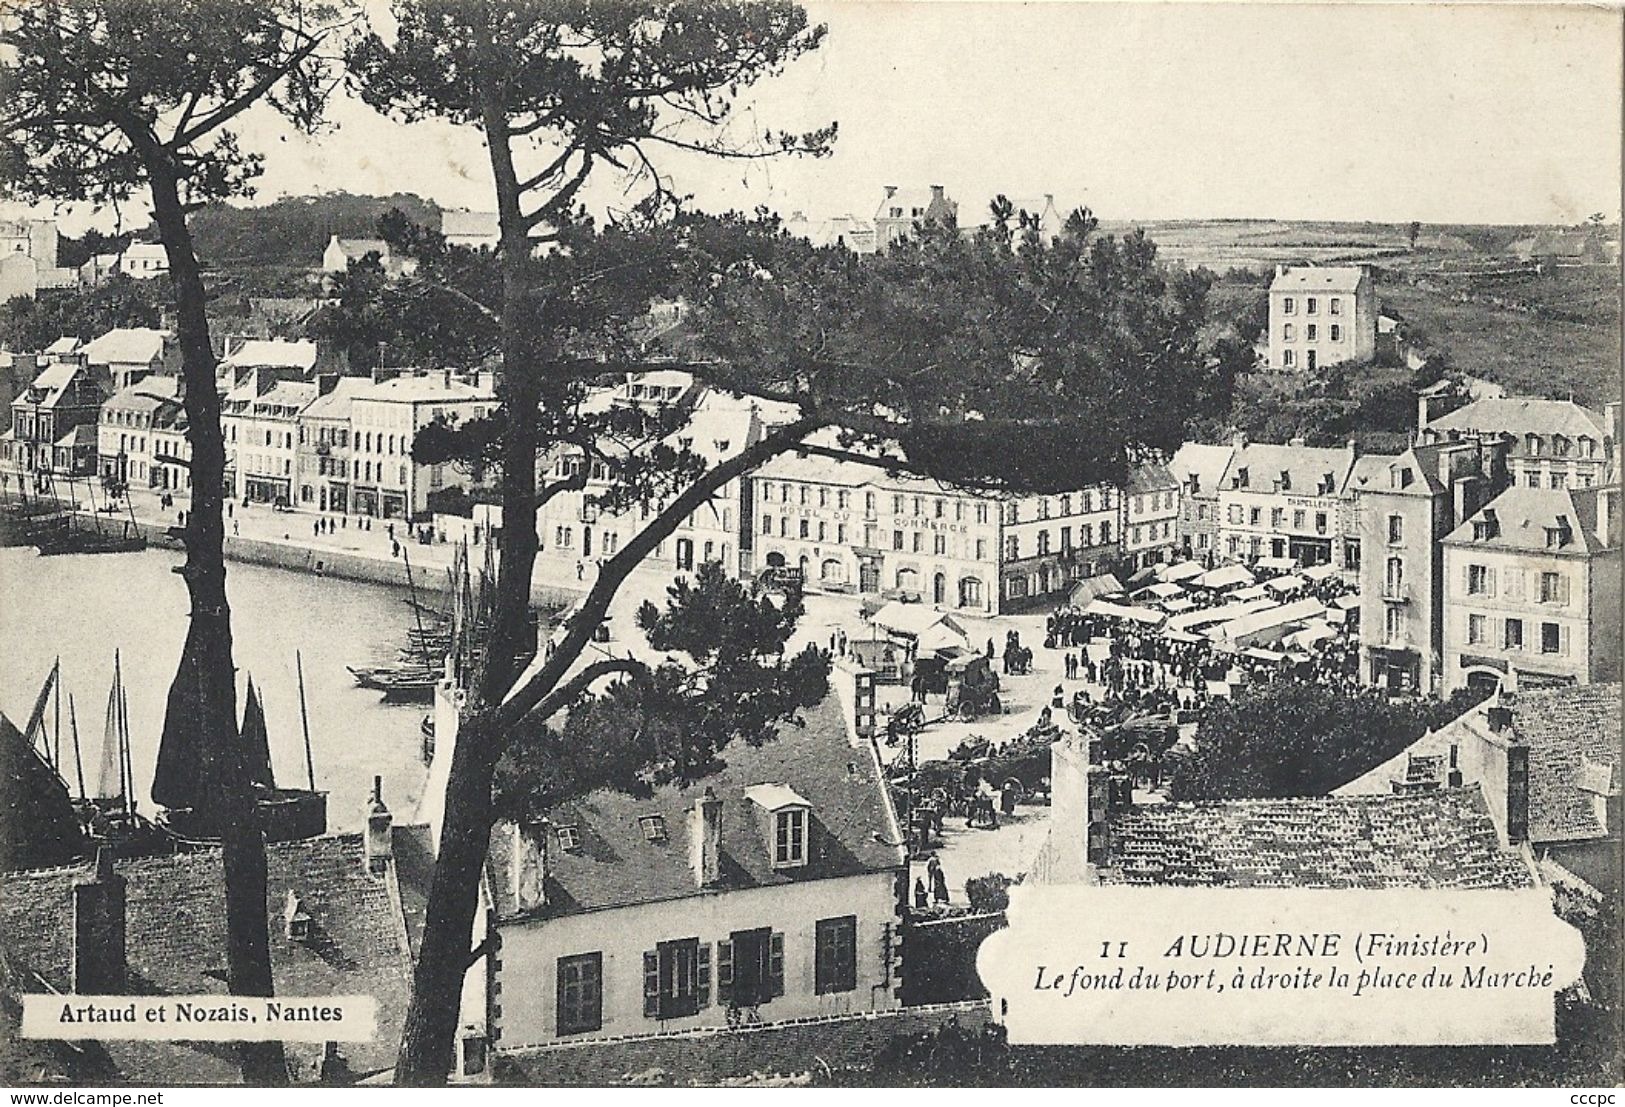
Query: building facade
[[128, 355], [261, 428], [1532, 590], [385, 420], [66, 395], [142, 261], [128, 445], [1150, 516], [1321, 315], [902, 208], [323, 461], [1199, 469], [1404, 507], [1284, 501]]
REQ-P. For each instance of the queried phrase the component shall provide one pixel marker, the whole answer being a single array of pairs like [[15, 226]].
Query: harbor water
[[83, 607]]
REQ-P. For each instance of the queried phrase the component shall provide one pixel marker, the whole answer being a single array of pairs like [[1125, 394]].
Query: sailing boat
[[284, 814], [109, 816]]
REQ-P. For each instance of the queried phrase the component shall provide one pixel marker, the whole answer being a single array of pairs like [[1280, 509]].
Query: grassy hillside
[[290, 233]]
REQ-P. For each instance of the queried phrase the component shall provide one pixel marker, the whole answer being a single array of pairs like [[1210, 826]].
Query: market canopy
[[1321, 571], [1252, 592], [1309, 635], [1178, 605], [1164, 591], [1129, 614], [1286, 583], [1346, 603], [1278, 564], [1272, 657], [1183, 570], [1092, 588], [1225, 576], [913, 620]]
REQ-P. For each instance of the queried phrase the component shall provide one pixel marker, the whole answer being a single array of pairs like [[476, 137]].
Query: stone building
[[1321, 315]]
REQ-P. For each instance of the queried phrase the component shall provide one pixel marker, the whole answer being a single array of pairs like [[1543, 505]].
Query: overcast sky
[[1462, 113]]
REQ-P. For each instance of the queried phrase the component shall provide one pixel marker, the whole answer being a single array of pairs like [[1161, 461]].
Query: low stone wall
[[345, 564], [717, 1054]]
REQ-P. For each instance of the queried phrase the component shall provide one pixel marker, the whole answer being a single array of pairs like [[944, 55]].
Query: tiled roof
[[1521, 415], [1305, 466], [1318, 278], [145, 395], [294, 394], [335, 404], [1567, 729], [357, 248], [1374, 472], [176, 942], [1442, 839], [424, 389], [616, 865], [1523, 516], [125, 346]]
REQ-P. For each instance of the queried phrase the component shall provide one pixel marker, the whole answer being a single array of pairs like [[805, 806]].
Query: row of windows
[[1086, 537], [1153, 532], [1562, 446], [1254, 517], [935, 507], [1549, 587], [1311, 306], [1289, 333], [1531, 478], [1554, 637], [1158, 501], [677, 975]]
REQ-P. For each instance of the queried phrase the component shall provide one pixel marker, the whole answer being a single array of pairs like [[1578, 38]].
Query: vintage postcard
[[813, 543]]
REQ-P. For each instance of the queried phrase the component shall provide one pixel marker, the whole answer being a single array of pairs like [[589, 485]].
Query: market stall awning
[[1164, 591], [1286, 583], [1183, 570], [1225, 576], [1181, 636], [1273, 657], [1130, 614], [1346, 603], [1218, 688], [1252, 592], [1277, 564], [914, 619], [1321, 571], [1178, 605], [1092, 588]]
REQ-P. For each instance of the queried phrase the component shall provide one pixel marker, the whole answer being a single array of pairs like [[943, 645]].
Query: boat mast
[[56, 724], [417, 612], [304, 719], [124, 750], [78, 762]]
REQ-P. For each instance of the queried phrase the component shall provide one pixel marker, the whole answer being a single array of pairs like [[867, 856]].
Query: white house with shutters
[[769, 890]]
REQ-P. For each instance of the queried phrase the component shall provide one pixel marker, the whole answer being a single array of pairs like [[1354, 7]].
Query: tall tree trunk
[[201, 714], [427, 1040]]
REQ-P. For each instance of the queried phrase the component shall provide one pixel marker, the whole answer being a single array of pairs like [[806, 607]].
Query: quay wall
[[345, 564]]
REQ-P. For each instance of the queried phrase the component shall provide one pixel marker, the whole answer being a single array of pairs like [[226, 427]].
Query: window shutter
[[702, 975], [775, 964], [725, 972], [651, 985], [1563, 591], [1563, 640], [1514, 583], [1489, 582]]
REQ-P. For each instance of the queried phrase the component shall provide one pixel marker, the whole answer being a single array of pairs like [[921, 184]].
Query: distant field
[[1524, 352]]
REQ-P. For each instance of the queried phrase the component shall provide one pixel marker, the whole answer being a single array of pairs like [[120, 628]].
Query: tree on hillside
[[992, 362], [1412, 233], [1301, 739], [107, 98], [29, 325]]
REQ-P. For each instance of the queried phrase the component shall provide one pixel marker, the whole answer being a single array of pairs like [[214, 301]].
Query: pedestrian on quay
[[939, 882], [234, 523], [316, 529], [920, 899], [394, 548], [581, 570]]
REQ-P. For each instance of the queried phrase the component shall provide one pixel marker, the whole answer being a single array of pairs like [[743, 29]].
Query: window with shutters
[[1475, 630], [790, 837], [676, 979], [750, 967], [1396, 529], [1480, 580], [1513, 639], [836, 962], [1551, 638], [1554, 588], [580, 993]]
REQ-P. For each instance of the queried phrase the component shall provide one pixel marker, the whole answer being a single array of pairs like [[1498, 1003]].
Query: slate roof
[[1442, 839], [335, 404], [1305, 466], [423, 389], [617, 866], [125, 346], [1318, 278], [147, 394], [1521, 415], [272, 352], [175, 937], [1523, 516], [1206, 463], [1150, 477]]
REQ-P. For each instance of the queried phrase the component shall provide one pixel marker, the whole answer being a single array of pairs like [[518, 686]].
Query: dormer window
[[786, 822], [295, 919], [654, 827], [570, 838], [790, 837], [1241, 477], [1286, 481]]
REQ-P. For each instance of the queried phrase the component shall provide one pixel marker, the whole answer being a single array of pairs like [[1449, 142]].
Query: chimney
[[1280, 270], [530, 864], [98, 930], [1454, 777], [1607, 505], [936, 192], [1517, 793], [1238, 439], [891, 190], [1499, 718], [378, 840], [705, 839]]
